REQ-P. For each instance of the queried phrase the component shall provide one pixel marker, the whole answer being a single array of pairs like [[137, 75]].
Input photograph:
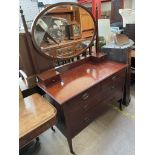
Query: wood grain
[[76, 80], [85, 88], [35, 116]]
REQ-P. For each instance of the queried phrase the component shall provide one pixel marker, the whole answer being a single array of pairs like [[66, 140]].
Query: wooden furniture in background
[[83, 91], [132, 66], [89, 1], [116, 18], [132, 53], [87, 25], [25, 61], [63, 12], [121, 55], [36, 115], [130, 31], [93, 6]]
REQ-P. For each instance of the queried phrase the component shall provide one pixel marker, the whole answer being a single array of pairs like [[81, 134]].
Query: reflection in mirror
[[64, 31]]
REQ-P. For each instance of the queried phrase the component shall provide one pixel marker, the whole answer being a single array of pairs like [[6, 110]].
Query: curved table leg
[[70, 145], [37, 139], [53, 129]]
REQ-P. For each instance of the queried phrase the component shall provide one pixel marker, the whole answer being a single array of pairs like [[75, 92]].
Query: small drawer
[[118, 76], [84, 100], [112, 87]]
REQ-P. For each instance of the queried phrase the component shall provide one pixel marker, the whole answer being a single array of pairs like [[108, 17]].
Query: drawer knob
[[85, 96]]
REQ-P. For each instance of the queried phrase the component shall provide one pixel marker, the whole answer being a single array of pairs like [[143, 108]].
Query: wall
[[30, 9], [133, 4], [106, 6], [127, 4]]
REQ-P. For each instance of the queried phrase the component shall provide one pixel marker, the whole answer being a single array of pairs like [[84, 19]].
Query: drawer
[[118, 75], [112, 87], [85, 107], [113, 80], [118, 84], [84, 101], [76, 124]]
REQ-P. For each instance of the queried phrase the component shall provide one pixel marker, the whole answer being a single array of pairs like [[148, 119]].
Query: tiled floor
[[113, 133]]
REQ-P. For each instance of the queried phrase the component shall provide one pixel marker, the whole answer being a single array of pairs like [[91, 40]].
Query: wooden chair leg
[[37, 139], [70, 145], [53, 129], [120, 105]]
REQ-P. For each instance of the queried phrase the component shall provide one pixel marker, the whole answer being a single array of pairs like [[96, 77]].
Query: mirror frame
[[50, 7]]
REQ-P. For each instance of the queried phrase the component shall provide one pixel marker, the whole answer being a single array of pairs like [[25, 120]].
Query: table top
[[80, 78], [34, 111]]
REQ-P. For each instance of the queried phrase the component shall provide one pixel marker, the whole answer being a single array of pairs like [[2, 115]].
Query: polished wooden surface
[[86, 106], [76, 80], [34, 112], [85, 88]]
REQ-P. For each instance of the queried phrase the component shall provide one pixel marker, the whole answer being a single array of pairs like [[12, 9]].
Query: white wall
[[127, 4], [133, 4], [30, 8]]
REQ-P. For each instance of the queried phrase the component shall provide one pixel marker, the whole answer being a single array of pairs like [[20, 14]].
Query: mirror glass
[[63, 31]]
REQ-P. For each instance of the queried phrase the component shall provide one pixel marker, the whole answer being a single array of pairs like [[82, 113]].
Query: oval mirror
[[63, 30]]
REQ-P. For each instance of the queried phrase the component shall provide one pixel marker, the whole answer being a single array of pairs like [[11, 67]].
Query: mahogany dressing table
[[78, 90], [83, 92]]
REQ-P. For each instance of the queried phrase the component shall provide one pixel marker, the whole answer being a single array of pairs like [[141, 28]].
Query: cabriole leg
[[70, 145]]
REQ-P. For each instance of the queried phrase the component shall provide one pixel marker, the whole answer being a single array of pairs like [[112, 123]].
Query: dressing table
[[79, 90]]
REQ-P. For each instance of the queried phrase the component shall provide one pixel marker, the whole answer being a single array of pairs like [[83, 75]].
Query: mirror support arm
[[97, 44], [30, 46]]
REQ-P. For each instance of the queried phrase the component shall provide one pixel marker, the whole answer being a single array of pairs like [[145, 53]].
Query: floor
[[113, 133]]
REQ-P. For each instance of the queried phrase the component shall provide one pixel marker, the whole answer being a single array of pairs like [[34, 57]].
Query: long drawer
[[84, 101], [83, 109], [79, 121]]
